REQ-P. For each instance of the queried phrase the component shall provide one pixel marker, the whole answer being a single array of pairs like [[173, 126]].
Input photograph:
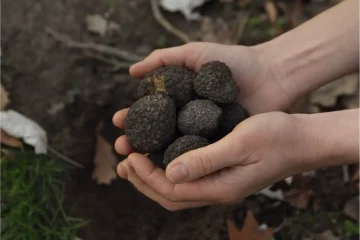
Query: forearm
[[329, 139], [318, 51]]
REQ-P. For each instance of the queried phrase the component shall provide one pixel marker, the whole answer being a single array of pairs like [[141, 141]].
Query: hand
[[260, 151], [260, 88]]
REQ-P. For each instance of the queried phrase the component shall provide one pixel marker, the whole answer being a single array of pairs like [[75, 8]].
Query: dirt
[[68, 94]]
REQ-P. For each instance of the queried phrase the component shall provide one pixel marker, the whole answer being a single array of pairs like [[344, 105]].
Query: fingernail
[[178, 173]]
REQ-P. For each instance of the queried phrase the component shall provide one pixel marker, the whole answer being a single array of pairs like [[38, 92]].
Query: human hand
[[260, 86], [258, 152]]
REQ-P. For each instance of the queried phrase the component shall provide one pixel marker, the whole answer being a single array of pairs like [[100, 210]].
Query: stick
[[241, 21], [104, 49], [65, 158], [166, 24], [117, 65]]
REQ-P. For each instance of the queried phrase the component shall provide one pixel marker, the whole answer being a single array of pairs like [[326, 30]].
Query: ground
[[68, 94]]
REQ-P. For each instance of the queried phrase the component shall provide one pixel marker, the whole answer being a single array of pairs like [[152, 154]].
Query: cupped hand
[[260, 85], [258, 152]]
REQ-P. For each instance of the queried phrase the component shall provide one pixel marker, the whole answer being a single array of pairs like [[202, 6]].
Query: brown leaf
[[298, 198], [327, 235], [355, 175], [104, 160], [3, 97], [300, 194], [327, 95], [8, 140], [351, 208], [271, 11], [250, 231]]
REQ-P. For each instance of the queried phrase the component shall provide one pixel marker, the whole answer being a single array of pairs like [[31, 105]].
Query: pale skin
[[270, 145]]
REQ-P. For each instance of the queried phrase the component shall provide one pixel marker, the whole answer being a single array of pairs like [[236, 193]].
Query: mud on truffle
[[151, 123], [175, 81]]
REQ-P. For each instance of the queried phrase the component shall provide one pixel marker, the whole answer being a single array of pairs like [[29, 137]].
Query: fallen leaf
[[271, 11], [9, 140], [298, 198], [19, 126], [327, 235], [186, 7], [327, 95], [4, 96], [355, 175], [215, 31], [104, 160], [250, 231], [351, 208], [299, 194], [99, 25]]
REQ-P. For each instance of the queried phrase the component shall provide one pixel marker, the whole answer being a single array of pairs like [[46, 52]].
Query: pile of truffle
[[180, 110]]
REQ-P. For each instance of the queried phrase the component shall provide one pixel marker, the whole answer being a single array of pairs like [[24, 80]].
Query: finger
[[205, 189], [119, 118], [121, 170], [142, 187], [122, 145], [185, 55], [203, 161]]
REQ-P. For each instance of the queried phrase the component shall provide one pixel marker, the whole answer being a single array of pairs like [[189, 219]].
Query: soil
[[69, 94]]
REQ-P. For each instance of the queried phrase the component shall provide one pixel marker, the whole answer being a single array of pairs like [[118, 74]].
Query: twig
[[104, 49], [117, 65], [241, 21], [63, 157], [166, 24]]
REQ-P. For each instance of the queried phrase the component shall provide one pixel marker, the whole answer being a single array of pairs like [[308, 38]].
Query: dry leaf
[[99, 25], [17, 125], [355, 175], [271, 11], [9, 140], [327, 95], [215, 31], [4, 97], [327, 235], [298, 198], [250, 231], [104, 160], [351, 208]]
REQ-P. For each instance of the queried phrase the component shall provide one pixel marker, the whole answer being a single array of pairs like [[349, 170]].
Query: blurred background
[[64, 64]]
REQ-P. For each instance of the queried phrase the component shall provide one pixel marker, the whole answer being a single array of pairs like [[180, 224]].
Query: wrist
[[328, 139]]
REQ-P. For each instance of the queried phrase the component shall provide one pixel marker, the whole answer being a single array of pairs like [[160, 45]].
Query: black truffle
[[199, 117], [215, 82], [157, 158], [175, 81], [151, 123], [183, 145], [232, 115]]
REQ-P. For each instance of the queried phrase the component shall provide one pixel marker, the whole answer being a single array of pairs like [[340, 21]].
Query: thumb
[[203, 161]]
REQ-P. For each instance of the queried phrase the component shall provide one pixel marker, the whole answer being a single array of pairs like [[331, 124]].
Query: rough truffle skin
[[175, 81], [157, 158], [233, 114], [199, 117], [151, 123], [183, 145], [215, 82]]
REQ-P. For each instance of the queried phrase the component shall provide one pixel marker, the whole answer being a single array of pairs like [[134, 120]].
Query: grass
[[32, 194]]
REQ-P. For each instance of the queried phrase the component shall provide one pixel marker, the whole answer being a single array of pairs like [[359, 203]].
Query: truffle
[[232, 115], [175, 81], [215, 82], [151, 123], [183, 145], [157, 158], [199, 117]]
